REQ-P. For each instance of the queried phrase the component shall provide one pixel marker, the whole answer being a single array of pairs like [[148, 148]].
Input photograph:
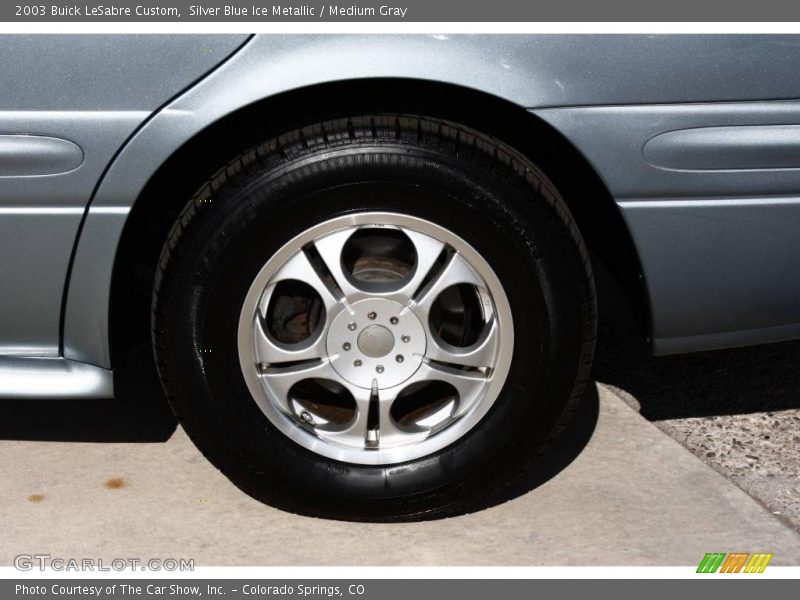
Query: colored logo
[[735, 562]]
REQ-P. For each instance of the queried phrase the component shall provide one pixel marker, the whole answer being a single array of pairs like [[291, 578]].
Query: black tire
[[476, 186]]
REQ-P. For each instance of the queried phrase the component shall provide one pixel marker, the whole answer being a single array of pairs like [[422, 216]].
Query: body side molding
[[24, 155], [741, 147]]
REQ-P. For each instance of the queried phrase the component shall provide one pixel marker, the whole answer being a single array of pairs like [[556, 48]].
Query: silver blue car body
[[695, 139]]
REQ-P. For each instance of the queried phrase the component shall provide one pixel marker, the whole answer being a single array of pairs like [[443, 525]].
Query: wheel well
[[599, 220]]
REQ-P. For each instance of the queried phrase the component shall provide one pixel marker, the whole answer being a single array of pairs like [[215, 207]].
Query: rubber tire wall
[[477, 187]]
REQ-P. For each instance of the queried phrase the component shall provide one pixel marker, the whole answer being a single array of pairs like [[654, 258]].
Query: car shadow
[[724, 382], [139, 413], [558, 455]]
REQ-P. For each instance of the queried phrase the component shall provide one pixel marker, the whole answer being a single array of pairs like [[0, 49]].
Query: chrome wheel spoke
[[357, 433], [457, 270], [373, 425], [391, 434], [280, 379], [428, 250], [330, 250], [299, 268], [274, 353], [480, 354], [466, 383]]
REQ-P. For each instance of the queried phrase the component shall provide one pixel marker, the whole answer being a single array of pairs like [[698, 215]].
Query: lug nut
[[399, 358], [372, 315], [379, 368], [394, 320], [346, 346], [357, 363], [352, 326], [406, 338]]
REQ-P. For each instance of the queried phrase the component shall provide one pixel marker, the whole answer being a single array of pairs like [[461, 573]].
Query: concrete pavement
[[633, 496]]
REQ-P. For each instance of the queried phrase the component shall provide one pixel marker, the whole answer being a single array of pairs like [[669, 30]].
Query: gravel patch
[[758, 452]]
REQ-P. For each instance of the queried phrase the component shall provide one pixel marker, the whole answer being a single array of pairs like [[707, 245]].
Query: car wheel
[[375, 318]]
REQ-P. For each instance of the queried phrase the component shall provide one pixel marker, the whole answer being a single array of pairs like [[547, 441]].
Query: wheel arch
[[165, 193]]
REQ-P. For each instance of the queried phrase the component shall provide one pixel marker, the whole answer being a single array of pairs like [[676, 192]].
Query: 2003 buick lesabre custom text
[[101, 10], [366, 269]]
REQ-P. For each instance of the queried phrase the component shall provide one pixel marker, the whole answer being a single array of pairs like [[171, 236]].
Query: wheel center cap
[[375, 341]]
